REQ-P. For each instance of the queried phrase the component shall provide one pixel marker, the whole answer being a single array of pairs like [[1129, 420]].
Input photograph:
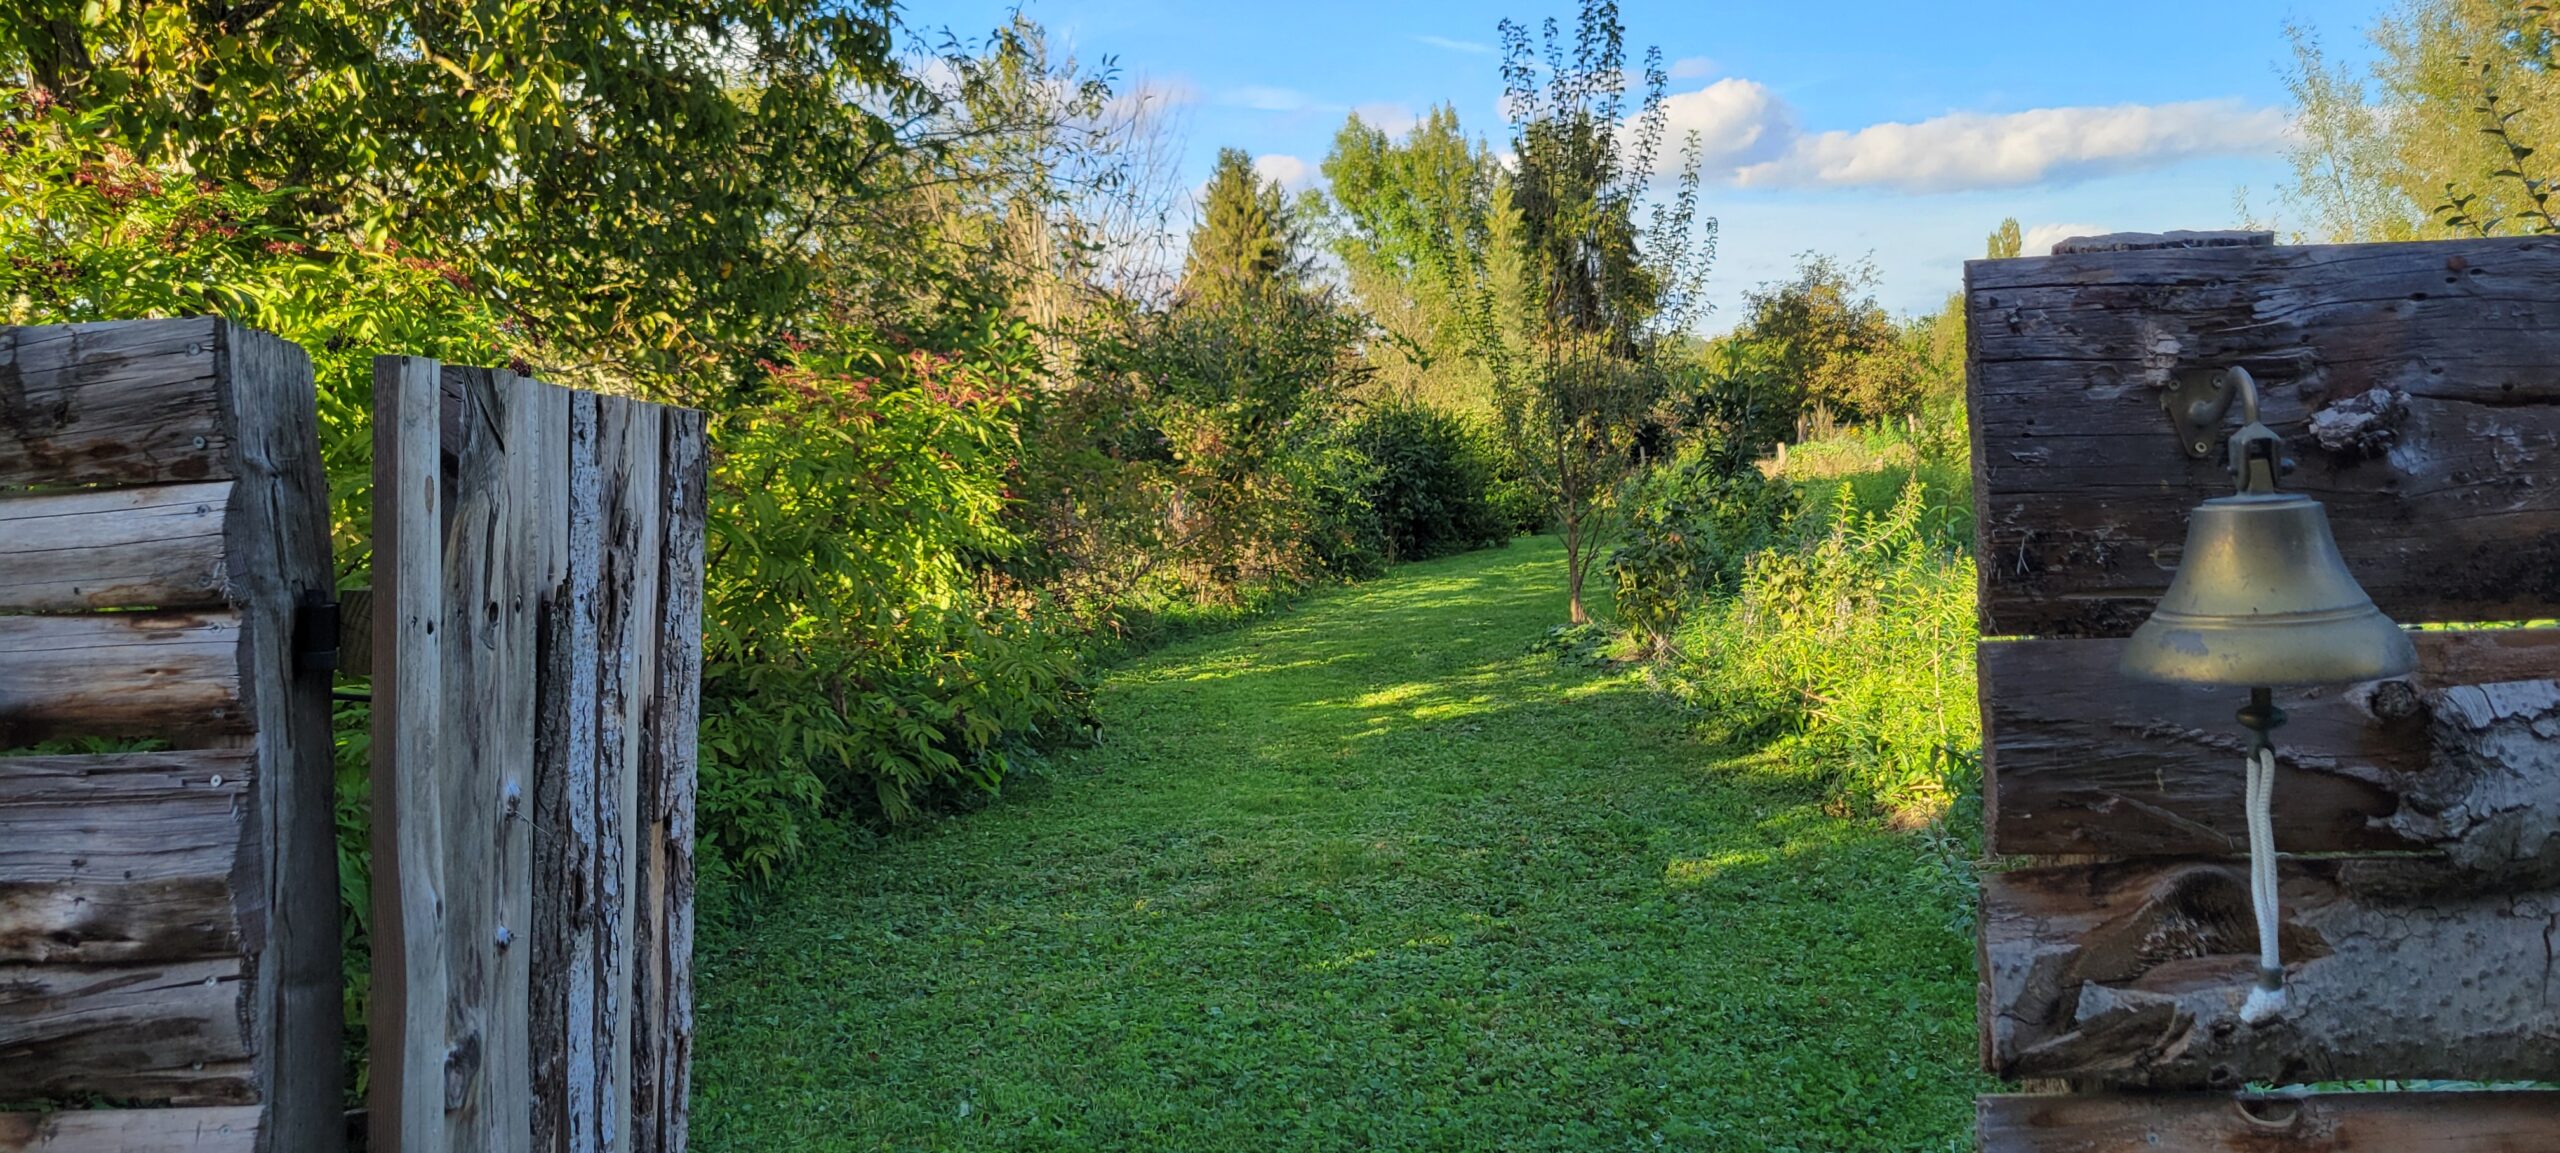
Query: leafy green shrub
[[1855, 643], [859, 653], [1431, 483], [1688, 527]]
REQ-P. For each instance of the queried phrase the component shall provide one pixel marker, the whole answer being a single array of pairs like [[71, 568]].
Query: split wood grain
[[176, 1032], [2081, 488], [156, 547], [2439, 1122], [409, 980], [119, 402], [216, 1129]]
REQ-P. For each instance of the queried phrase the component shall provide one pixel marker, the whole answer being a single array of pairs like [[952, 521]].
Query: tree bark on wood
[[2132, 974]]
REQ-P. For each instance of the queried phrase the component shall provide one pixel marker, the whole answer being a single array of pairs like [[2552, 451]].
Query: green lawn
[[1370, 874]]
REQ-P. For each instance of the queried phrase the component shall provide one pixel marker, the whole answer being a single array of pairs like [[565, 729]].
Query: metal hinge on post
[[315, 632]]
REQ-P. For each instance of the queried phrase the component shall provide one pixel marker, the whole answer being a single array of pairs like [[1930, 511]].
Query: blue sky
[[1899, 130]]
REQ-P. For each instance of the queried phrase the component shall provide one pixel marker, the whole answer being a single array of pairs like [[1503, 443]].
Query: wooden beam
[[2079, 759], [121, 402], [662, 899], [217, 1129], [2132, 974], [278, 561], [157, 547], [175, 1032], [120, 675], [2520, 1121], [409, 984], [2082, 490], [127, 858]]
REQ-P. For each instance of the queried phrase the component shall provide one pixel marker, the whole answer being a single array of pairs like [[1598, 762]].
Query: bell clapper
[[2261, 716]]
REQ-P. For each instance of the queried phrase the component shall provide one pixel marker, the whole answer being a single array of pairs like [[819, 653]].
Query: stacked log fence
[[170, 975]]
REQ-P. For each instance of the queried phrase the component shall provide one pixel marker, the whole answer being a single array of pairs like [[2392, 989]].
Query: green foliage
[[1407, 216], [1691, 523], [1830, 353], [1432, 482], [852, 654], [1367, 876], [628, 177], [2005, 242], [1573, 331], [1247, 238], [1849, 636], [2447, 131]]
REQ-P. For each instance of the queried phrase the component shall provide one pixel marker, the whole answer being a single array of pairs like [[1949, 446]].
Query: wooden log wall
[[168, 918], [536, 654], [2418, 389]]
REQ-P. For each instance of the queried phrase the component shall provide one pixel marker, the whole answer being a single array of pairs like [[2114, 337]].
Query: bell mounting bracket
[[2196, 400]]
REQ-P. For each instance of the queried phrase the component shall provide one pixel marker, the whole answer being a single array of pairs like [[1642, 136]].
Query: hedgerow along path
[[1371, 874]]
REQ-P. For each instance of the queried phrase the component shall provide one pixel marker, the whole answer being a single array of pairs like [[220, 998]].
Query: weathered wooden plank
[[157, 547], [121, 402], [213, 1129], [279, 561], [536, 435], [2474, 1122], [122, 816], [2079, 759], [2132, 974], [120, 674], [175, 1032], [2082, 490], [567, 1022], [486, 745], [662, 897], [629, 445], [410, 992], [126, 858]]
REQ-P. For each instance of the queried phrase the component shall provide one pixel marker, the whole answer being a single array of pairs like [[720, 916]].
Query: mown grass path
[[1367, 875]]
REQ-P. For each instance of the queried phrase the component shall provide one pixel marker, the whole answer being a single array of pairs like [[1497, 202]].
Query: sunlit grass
[[1367, 875]]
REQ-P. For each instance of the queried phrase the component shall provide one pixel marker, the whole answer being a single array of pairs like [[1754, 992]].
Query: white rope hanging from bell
[[2266, 1001]]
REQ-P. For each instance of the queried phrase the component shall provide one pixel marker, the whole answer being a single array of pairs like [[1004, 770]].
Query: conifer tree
[[1245, 241]]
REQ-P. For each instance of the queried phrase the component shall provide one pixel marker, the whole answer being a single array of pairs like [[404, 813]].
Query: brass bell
[[2261, 596], [2261, 599]]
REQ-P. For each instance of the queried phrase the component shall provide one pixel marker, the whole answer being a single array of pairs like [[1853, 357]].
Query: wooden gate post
[[537, 617], [2418, 388], [168, 918]]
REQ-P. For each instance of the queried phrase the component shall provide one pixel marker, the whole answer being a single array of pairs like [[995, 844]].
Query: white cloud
[[1292, 173], [1738, 122], [1470, 47], [1388, 117], [1968, 150], [2039, 239], [1692, 68]]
